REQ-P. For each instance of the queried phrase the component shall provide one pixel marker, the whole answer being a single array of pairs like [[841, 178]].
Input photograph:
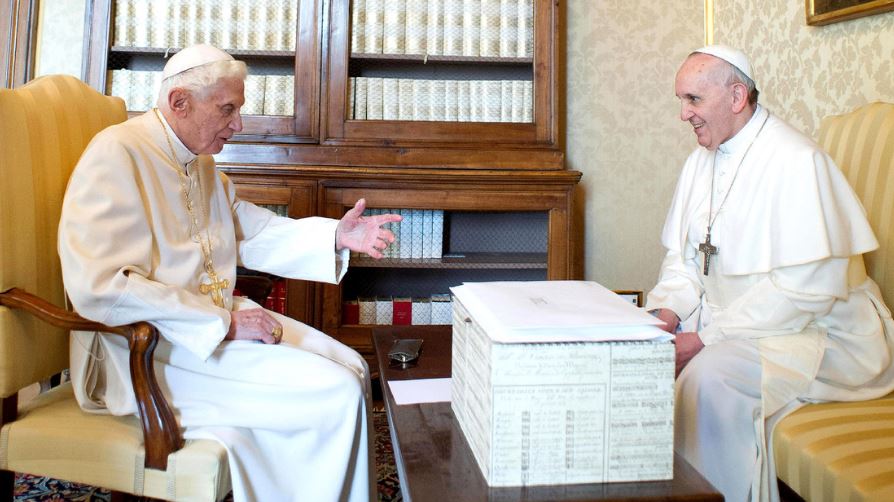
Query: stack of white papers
[[555, 311]]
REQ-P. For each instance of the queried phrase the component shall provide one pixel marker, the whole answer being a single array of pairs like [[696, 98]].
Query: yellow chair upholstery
[[845, 451], [44, 127]]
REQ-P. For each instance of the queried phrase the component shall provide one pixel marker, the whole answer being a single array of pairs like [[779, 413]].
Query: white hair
[[199, 80]]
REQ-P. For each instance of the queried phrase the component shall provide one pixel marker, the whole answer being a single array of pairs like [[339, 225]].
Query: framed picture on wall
[[820, 12]]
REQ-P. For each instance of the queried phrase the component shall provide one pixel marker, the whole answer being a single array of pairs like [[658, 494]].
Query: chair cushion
[[54, 437], [838, 451]]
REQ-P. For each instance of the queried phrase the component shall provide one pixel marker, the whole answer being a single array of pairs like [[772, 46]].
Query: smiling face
[[206, 122], [709, 102]]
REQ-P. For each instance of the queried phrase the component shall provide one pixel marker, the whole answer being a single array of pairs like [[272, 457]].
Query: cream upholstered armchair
[[845, 451], [44, 127]]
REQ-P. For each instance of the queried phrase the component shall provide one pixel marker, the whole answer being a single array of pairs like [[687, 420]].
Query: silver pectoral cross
[[708, 249]]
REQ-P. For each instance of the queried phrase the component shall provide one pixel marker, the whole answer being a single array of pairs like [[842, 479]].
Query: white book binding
[[416, 29], [358, 25], [394, 27], [471, 27], [509, 28], [390, 98], [375, 18], [373, 98], [490, 28], [453, 28], [434, 28]]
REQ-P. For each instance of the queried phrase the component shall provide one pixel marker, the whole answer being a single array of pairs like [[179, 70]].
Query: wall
[[808, 72], [623, 129]]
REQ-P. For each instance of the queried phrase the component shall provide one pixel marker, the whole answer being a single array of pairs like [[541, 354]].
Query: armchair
[[845, 451], [44, 127]]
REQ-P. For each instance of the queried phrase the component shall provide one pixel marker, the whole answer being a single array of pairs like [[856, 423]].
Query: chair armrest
[[161, 433]]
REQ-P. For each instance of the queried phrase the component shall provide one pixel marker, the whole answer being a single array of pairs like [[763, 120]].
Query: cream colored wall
[[623, 129], [807, 72]]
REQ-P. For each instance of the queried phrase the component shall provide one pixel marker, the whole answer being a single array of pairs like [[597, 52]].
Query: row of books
[[401, 311], [374, 98], [478, 28], [419, 235], [264, 94], [228, 24]]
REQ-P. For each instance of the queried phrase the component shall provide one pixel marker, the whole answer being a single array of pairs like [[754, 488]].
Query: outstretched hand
[[364, 234]]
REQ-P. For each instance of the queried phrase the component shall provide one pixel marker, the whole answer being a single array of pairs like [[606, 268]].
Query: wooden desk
[[434, 461]]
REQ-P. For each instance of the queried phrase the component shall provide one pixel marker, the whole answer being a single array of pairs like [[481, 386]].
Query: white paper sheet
[[555, 311], [429, 390]]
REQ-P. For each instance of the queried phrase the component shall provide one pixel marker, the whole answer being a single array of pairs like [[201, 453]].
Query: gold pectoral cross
[[215, 288], [709, 249]]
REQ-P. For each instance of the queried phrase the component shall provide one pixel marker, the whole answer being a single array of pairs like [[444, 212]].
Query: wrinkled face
[[213, 120], [706, 101]]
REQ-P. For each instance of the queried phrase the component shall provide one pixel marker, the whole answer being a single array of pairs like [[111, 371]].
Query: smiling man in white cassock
[[763, 282], [151, 231]]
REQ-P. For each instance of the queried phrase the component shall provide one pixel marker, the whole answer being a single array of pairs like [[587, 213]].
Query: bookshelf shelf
[[461, 261], [236, 53], [426, 59]]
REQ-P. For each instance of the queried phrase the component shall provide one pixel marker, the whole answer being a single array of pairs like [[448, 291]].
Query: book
[[441, 309], [437, 234], [279, 95], [528, 101], [421, 100], [471, 27], [421, 311], [360, 99], [123, 26], [394, 26], [406, 232], [255, 88], [384, 310], [404, 99], [374, 98], [350, 312], [506, 101], [402, 311], [451, 100], [526, 25], [493, 100], [490, 28], [518, 101], [373, 29], [367, 309], [427, 233], [416, 234], [463, 101], [390, 98], [509, 28], [476, 101], [142, 23], [415, 28], [358, 26], [437, 95], [453, 28], [434, 28]]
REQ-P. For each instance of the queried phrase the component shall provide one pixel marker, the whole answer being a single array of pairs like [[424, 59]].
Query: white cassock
[[294, 417], [786, 313]]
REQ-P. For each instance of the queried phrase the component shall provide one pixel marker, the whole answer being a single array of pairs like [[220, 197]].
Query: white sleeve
[[105, 246], [678, 288], [783, 302], [294, 248]]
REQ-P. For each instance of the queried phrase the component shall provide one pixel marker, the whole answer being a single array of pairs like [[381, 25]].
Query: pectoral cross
[[215, 288], [709, 249]]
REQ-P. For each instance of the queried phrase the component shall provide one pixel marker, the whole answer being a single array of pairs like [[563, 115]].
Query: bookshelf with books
[[411, 73], [129, 41], [490, 230]]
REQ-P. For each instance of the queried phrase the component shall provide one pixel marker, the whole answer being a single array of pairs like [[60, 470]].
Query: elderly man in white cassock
[[151, 231], [763, 282]]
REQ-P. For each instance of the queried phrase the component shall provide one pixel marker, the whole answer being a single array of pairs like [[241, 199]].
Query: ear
[[739, 97], [179, 102]]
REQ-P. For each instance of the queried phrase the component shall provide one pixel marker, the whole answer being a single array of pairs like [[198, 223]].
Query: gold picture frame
[[822, 12]]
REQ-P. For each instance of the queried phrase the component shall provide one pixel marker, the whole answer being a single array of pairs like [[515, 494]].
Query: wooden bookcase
[[505, 176]]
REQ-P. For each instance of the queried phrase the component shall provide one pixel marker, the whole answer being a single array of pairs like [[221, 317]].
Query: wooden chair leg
[[7, 486]]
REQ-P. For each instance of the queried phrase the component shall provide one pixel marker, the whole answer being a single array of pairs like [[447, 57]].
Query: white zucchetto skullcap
[[732, 56], [192, 57]]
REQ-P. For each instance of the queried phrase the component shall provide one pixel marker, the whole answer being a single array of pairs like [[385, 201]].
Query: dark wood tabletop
[[435, 463]]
